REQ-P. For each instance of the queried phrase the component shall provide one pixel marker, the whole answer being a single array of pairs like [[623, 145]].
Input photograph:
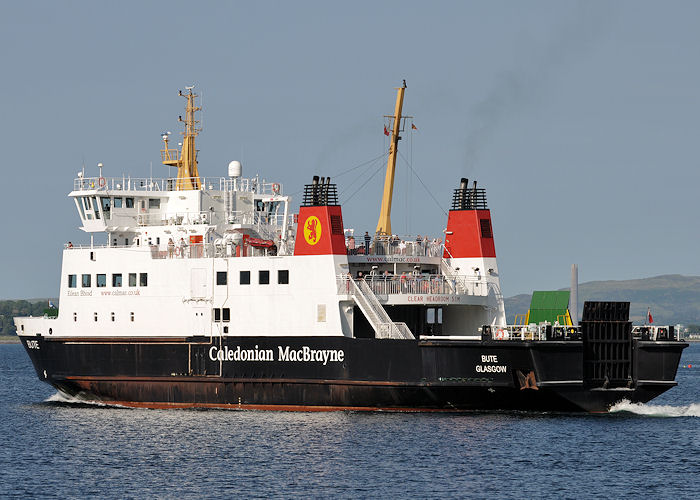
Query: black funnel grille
[[469, 199], [320, 193]]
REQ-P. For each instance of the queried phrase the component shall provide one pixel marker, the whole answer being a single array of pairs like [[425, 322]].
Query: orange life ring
[[500, 334], [276, 188], [101, 182]]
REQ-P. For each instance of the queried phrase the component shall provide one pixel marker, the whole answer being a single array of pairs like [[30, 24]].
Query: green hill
[[673, 298]]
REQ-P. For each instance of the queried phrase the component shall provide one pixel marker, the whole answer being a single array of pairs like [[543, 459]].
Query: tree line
[[11, 308]]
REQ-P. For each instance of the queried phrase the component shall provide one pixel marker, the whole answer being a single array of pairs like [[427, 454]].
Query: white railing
[[210, 250], [254, 185], [458, 281], [499, 307], [518, 332], [395, 246], [173, 218], [189, 250], [394, 330], [127, 183], [427, 284], [570, 332], [267, 225]]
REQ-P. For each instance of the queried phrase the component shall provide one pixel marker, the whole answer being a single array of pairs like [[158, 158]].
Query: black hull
[[295, 373]]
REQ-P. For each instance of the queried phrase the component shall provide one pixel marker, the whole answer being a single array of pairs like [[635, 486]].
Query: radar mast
[[186, 160], [384, 223]]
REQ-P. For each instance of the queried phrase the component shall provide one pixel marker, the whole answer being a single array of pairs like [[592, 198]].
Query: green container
[[549, 306]]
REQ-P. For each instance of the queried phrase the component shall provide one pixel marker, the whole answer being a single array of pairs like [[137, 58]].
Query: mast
[[186, 161], [384, 223]]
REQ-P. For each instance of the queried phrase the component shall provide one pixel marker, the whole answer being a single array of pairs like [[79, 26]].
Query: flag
[[413, 126], [386, 132], [649, 318]]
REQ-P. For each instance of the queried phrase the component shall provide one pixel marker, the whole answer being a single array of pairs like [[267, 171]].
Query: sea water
[[52, 448]]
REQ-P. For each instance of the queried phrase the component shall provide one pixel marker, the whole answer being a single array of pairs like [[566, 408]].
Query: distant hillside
[[673, 298]]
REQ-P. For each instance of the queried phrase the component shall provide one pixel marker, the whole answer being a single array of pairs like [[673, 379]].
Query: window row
[[222, 314], [89, 206], [112, 316], [263, 277], [101, 280]]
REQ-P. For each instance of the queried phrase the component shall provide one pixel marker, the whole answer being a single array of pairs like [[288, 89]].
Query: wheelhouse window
[[221, 277], [80, 208], [87, 207], [245, 278], [143, 279], [72, 281], [132, 279], [106, 206], [129, 202], [117, 280], [87, 281], [283, 277], [101, 280], [264, 277], [154, 203], [117, 203], [95, 207]]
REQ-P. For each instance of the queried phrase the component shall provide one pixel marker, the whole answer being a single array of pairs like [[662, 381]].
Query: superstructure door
[[433, 321], [199, 320], [198, 283]]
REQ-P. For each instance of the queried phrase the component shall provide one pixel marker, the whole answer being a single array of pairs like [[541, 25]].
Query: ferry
[[220, 292]]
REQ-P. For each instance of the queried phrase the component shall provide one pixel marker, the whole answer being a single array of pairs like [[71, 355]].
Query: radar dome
[[235, 169]]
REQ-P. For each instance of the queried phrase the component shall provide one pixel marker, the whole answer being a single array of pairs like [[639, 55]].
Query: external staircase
[[375, 313]]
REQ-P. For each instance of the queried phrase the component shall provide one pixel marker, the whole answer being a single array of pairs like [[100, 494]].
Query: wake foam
[[62, 398], [691, 410]]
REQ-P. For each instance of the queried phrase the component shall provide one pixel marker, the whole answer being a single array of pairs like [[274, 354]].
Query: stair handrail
[[375, 313]]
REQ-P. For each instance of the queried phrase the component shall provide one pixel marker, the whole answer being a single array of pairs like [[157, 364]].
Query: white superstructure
[[192, 256]]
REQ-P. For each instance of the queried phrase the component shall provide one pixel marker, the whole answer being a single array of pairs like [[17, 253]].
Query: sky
[[580, 119]]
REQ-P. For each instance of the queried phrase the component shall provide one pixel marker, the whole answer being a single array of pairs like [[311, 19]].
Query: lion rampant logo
[[312, 230]]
